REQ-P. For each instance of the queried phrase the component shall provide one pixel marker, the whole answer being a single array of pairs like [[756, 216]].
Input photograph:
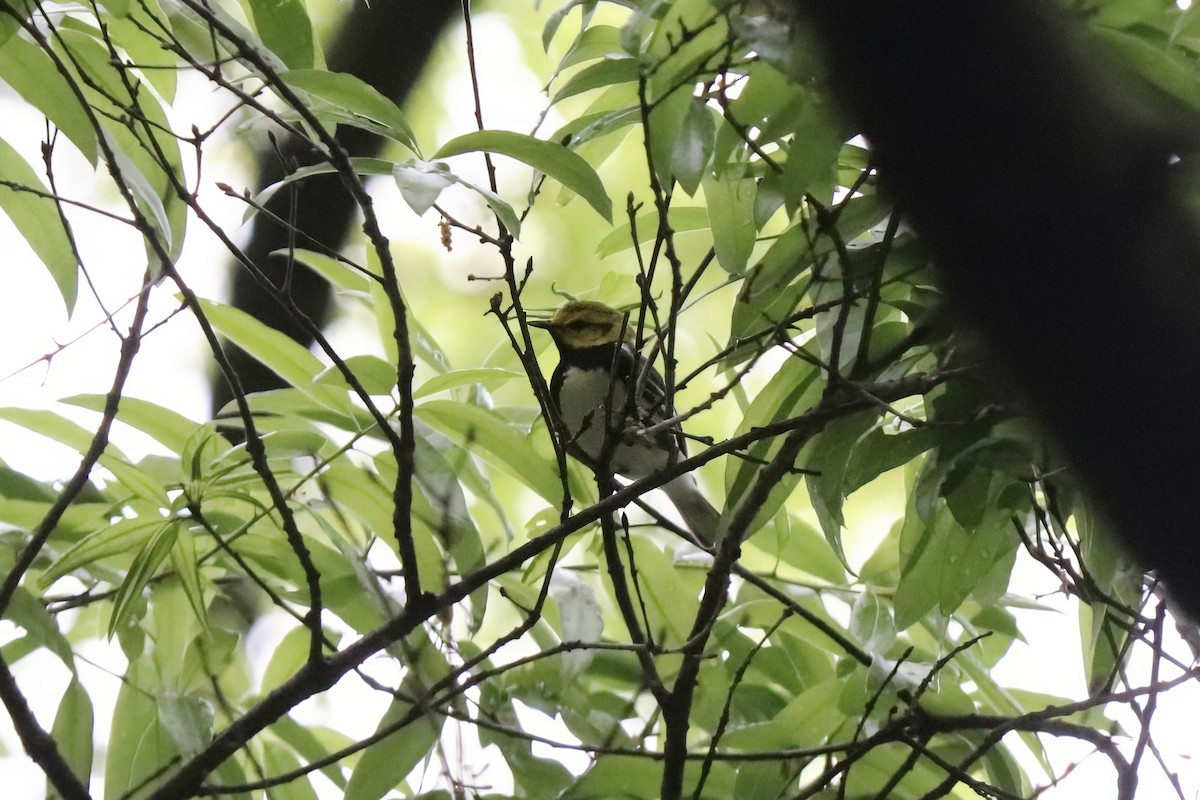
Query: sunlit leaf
[[147, 156], [272, 349], [337, 271], [681, 219], [78, 438], [693, 146], [31, 73], [72, 733], [168, 427], [25, 200], [28, 612], [420, 183], [142, 569], [730, 204], [354, 97], [285, 28], [375, 375], [791, 391], [598, 75], [385, 765], [490, 377], [496, 441], [551, 158], [362, 165], [827, 457]]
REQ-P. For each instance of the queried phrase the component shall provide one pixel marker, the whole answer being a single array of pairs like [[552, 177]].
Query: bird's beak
[[544, 324]]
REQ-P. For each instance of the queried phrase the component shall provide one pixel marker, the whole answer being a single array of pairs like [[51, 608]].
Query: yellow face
[[585, 323]]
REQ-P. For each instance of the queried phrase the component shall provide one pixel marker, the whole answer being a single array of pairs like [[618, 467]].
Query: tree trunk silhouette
[[1061, 231], [385, 44]]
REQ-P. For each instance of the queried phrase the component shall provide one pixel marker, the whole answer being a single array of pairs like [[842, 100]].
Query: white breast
[[582, 399]]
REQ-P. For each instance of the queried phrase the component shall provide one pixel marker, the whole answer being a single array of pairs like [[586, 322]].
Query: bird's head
[[585, 323]]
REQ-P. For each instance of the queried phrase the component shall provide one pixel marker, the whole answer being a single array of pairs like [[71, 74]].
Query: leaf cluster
[[415, 529]]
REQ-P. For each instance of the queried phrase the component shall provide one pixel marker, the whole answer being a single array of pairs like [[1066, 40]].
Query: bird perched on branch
[[597, 369]]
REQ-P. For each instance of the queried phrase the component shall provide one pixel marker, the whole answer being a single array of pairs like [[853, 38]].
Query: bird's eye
[[579, 324]]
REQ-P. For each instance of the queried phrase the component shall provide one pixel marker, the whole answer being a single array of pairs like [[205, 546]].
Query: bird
[[597, 368]]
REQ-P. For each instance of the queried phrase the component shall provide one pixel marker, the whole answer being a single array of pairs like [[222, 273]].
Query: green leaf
[[277, 760], [31, 73], [36, 218], [139, 746], [811, 167], [277, 351], [361, 165], [186, 564], [775, 286], [284, 27], [879, 451], [146, 154], [613, 111], [1005, 773], [437, 520], [1166, 68], [618, 776], [662, 128], [551, 158], [136, 28], [9, 23], [503, 211], [793, 390], [123, 536], [601, 74], [828, 455], [343, 275], [354, 98], [167, 426], [375, 375], [78, 438], [488, 377], [730, 203], [838, 321], [420, 183], [680, 218], [942, 563], [596, 41], [887, 767], [801, 546], [18, 486], [313, 743], [288, 656], [187, 720], [495, 441], [27, 611], [555, 18], [385, 764], [693, 146], [144, 567], [438, 476], [72, 733], [804, 722], [871, 623]]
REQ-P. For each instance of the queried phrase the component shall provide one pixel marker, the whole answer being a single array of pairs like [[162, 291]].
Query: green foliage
[[27, 202], [401, 513]]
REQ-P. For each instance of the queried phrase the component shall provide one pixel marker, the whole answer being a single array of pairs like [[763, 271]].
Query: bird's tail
[[698, 514]]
